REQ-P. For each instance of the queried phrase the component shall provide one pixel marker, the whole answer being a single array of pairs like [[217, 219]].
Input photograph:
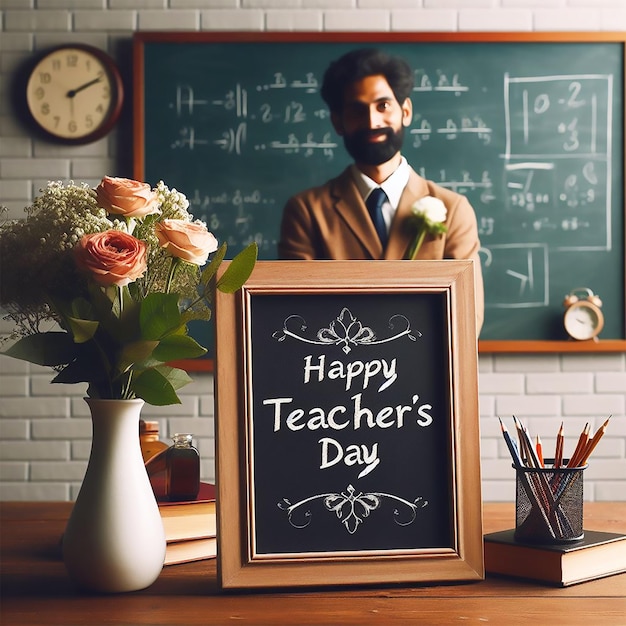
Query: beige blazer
[[332, 222]]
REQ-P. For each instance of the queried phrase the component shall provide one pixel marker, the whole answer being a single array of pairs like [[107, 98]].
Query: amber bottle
[[149, 440], [182, 472]]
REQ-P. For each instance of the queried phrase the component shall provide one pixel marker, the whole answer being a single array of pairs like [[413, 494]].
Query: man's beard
[[362, 150]]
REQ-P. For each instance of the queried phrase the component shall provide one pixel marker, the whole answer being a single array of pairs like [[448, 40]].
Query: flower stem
[[416, 245], [126, 388], [170, 275]]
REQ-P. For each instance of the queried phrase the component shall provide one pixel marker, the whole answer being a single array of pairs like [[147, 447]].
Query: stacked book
[[597, 555], [190, 527]]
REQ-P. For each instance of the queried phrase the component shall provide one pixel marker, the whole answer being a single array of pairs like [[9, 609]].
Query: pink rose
[[112, 257], [130, 198], [189, 241]]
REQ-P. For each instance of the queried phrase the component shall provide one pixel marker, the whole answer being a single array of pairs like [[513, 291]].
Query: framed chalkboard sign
[[529, 126], [347, 439]]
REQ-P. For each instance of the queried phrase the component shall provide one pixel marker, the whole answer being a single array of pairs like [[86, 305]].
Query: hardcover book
[[193, 519], [193, 550], [597, 555]]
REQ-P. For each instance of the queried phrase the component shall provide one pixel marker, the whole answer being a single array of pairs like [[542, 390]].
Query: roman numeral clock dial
[[74, 93]]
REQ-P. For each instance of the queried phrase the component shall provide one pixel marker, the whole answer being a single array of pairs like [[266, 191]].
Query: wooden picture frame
[[347, 430]]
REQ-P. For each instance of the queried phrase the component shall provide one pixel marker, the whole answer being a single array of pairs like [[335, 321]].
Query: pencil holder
[[549, 504]]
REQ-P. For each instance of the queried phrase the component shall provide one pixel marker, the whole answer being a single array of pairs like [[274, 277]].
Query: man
[[368, 94]]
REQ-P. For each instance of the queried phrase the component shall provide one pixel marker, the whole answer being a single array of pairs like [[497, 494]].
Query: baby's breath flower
[[68, 267], [35, 253]]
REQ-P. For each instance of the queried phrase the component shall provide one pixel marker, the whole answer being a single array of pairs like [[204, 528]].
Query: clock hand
[[72, 92]]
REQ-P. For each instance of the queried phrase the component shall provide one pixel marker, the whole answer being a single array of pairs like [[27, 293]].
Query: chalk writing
[[565, 112], [354, 416], [530, 133]]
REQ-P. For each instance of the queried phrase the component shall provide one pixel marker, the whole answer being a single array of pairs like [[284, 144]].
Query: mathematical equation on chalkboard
[[529, 129], [548, 136]]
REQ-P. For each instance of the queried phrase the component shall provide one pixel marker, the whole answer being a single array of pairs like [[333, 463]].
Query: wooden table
[[36, 590]]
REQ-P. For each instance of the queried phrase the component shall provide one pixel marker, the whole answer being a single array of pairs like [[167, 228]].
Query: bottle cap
[[146, 427]]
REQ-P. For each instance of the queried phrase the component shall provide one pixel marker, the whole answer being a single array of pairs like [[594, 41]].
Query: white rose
[[433, 209]]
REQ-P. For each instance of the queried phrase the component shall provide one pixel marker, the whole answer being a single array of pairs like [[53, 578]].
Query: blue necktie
[[374, 204]]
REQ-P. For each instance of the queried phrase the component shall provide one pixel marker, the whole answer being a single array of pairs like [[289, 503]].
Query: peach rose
[[130, 198], [112, 257], [189, 241]]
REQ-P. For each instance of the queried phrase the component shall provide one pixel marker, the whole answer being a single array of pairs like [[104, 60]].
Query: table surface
[[36, 590]]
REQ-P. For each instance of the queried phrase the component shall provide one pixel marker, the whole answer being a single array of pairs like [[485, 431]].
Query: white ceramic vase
[[114, 541]]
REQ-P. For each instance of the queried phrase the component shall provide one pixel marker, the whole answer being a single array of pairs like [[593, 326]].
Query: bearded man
[[368, 94]]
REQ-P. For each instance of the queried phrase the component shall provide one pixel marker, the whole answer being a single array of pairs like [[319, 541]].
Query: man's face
[[372, 121]]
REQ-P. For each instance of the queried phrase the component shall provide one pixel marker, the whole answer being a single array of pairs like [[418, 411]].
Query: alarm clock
[[74, 93], [583, 319]]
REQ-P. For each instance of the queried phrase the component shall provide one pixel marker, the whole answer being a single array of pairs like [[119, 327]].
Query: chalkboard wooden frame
[[557, 341], [245, 351]]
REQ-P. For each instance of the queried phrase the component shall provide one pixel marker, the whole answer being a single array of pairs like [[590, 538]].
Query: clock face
[[583, 320], [75, 93]]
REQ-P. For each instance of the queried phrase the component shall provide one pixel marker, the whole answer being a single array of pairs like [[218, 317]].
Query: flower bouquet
[[428, 217], [101, 285]]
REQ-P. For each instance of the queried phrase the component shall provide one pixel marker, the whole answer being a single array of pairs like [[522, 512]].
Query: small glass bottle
[[182, 474]]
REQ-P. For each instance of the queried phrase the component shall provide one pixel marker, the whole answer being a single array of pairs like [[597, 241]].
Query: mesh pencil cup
[[549, 504]]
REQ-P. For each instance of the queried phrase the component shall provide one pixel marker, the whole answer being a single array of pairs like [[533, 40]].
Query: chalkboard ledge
[[194, 365], [605, 345]]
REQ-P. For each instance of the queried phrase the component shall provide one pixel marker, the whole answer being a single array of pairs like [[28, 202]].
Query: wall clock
[[583, 318], [74, 93]]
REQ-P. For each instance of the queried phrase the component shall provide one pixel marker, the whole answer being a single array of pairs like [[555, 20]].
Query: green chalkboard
[[530, 127]]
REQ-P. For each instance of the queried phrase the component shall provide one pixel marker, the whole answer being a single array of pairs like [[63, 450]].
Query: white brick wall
[[44, 429]]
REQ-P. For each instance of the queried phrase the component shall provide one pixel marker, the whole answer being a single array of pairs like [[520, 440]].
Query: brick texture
[[45, 429]]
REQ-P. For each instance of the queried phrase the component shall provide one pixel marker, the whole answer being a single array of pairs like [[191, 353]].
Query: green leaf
[[121, 323], [239, 270], [135, 352], [158, 386], [211, 269], [75, 372], [50, 349], [87, 366], [82, 330], [159, 315], [71, 375], [176, 347]]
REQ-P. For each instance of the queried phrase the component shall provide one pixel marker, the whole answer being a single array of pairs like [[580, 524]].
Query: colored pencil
[[511, 445], [529, 483], [574, 460], [539, 449], [558, 453], [593, 442], [530, 454]]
